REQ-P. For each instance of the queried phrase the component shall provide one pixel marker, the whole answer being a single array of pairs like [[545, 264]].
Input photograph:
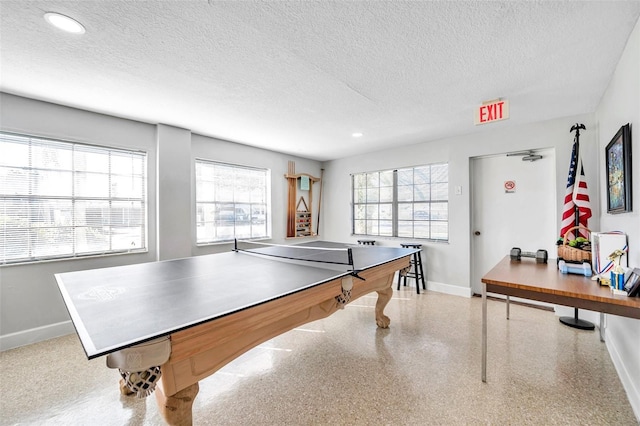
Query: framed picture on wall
[[632, 286], [618, 158]]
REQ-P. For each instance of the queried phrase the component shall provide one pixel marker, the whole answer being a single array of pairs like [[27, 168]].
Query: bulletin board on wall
[[300, 203]]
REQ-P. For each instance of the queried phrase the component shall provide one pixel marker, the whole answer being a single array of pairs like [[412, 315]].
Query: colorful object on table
[[577, 250], [617, 281], [603, 243], [571, 268], [617, 274]]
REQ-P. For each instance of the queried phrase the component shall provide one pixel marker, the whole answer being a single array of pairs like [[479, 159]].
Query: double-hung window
[[231, 202], [63, 200], [406, 203], [373, 203]]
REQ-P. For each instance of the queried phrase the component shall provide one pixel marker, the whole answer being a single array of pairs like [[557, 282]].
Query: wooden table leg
[[384, 296], [176, 409]]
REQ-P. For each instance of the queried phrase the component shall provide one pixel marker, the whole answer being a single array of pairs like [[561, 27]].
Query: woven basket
[[567, 252]]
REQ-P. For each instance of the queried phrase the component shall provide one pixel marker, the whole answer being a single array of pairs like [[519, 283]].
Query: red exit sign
[[492, 111]]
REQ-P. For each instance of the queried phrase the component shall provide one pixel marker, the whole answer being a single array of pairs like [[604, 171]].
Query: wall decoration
[[299, 214], [509, 186], [618, 158], [632, 286]]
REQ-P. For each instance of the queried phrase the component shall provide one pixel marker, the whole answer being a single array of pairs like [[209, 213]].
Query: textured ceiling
[[301, 76]]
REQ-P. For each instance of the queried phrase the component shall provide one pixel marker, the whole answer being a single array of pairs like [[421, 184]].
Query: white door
[[502, 218]]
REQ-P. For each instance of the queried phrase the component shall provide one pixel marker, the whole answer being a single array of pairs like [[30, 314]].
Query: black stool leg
[[420, 271], [404, 279], [416, 275]]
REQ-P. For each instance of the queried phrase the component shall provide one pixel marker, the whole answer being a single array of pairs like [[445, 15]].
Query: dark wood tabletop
[[544, 282]]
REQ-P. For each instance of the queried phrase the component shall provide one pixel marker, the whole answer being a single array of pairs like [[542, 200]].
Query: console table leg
[[508, 300], [176, 409], [484, 332]]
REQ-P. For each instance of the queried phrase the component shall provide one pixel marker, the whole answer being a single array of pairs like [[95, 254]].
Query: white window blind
[[408, 203], [231, 202], [62, 200]]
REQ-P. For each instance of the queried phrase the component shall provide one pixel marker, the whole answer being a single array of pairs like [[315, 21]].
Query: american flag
[[576, 199]]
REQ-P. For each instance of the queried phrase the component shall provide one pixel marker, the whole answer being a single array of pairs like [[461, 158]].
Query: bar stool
[[367, 242], [415, 267]]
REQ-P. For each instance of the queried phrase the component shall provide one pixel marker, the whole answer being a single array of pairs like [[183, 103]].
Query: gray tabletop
[[114, 308]]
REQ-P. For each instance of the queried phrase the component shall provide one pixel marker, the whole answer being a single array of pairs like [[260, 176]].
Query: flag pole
[[574, 321], [576, 210]]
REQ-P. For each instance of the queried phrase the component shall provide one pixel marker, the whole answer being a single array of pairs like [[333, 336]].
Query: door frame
[[473, 199]]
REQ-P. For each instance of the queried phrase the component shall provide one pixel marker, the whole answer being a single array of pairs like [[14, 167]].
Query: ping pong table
[[211, 309]]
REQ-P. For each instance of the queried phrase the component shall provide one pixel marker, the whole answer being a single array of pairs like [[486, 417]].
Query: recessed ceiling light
[[356, 135], [64, 23]]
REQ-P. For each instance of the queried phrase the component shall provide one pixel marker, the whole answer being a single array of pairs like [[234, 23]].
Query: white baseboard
[[35, 335], [453, 290], [633, 392]]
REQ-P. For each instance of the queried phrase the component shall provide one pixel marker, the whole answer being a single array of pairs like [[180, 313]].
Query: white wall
[[620, 105], [31, 308], [173, 233], [449, 263]]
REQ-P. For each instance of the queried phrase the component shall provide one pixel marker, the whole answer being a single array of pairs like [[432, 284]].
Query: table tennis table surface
[[118, 307]]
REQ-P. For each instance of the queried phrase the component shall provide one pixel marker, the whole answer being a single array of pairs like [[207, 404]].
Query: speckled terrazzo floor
[[425, 369]]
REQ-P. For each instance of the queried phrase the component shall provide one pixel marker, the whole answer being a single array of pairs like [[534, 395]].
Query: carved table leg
[[384, 296], [176, 409]]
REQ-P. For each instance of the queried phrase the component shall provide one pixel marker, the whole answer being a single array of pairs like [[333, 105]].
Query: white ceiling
[[301, 76]]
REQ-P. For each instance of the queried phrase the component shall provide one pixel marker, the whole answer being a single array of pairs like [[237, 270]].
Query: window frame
[[398, 203], [69, 200], [254, 214]]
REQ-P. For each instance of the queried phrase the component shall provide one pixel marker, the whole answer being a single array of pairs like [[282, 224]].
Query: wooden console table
[[545, 283]]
